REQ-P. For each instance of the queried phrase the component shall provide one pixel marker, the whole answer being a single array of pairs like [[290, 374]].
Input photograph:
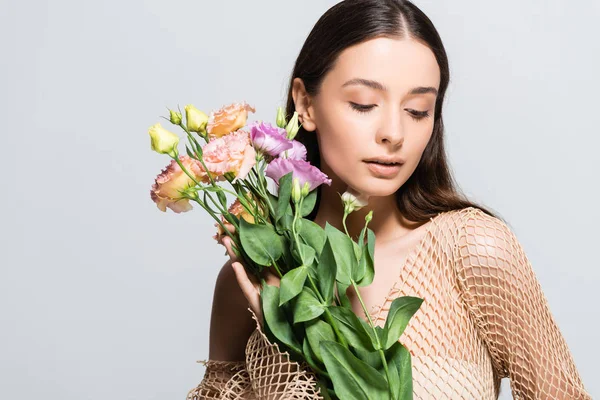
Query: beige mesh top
[[484, 317]]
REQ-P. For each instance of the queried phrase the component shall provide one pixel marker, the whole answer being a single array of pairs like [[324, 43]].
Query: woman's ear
[[303, 104]]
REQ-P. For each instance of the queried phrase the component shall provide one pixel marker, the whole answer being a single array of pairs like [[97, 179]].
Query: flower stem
[[372, 325], [344, 223], [328, 316]]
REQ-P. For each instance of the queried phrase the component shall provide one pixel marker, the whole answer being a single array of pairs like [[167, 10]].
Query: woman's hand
[[249, 284]]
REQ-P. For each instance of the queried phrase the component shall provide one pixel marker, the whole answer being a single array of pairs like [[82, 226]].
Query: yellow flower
[[196, 120], [292, 127], [163, 141], [228, 119], [280, 120], [175, 117]]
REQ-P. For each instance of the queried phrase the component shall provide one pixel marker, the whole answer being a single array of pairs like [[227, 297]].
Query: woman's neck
[[387, 223]]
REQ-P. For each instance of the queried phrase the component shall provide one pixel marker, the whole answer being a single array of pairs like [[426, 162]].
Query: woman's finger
[[249, 289], [228, 243]]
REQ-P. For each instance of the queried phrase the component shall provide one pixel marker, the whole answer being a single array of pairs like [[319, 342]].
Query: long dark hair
[[431, 188]]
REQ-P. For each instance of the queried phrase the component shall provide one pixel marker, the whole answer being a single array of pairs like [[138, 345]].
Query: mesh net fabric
[[267, 373], [484, 317]]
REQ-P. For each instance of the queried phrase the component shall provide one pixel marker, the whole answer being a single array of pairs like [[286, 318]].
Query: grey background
[[102, 296]]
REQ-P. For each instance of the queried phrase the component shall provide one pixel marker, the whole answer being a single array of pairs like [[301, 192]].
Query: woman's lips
[[382, 169]]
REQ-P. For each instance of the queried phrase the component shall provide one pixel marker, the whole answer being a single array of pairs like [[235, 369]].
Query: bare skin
[[392, 126]]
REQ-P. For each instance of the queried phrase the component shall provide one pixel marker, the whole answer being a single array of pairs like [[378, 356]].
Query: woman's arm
[[243, 363], [512, 314], [230, 328]]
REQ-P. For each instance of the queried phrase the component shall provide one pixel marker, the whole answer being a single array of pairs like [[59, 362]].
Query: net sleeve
[[511, 312], [267, 373]]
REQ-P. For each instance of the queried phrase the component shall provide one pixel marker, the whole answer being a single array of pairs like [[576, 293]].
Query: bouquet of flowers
[[309, 314]]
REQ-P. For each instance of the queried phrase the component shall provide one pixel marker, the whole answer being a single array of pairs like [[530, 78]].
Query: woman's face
[[377, 102]]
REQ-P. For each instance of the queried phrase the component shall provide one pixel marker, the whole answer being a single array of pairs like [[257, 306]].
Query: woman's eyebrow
[[380, 86]]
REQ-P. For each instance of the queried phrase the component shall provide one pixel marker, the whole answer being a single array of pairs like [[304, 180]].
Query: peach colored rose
[[237, 209], [231, 153], [166, 189], [228, 119]]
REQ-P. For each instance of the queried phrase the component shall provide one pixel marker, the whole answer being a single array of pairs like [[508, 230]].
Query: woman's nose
[[391, 131]]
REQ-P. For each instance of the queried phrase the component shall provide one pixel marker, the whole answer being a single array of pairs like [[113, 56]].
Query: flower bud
[[196, 120], [292, 127], [369, 217], [296, 191], [280, 121], [162, 141], [305, 189], [175, 117], [353, 201]]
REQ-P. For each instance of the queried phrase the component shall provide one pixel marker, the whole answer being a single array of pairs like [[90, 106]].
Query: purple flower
[[269, 139], [302, 170], [297, 152]]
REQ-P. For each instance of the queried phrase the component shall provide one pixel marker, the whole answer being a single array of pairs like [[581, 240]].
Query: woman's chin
[[375, 187]]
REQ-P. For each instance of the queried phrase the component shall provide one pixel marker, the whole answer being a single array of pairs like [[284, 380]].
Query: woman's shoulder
[[469, 215], [471, 223]]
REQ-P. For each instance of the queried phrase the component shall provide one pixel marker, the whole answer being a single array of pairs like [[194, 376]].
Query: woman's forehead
[[396, 63]]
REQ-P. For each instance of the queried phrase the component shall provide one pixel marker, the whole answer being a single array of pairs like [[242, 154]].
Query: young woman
[[368, 86]]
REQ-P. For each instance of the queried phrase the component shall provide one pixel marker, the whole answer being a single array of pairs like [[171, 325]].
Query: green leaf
[[316, 332], [285, 192], [307, 306], [306, 254], [373, 358], [326, 271], [344, 253], [341, 290], [367, 263], [352, 378], [357, 251], [275, 317], [351, 327], [285, 222], [311, 359], [260, 242], [308, 203], [190, 153], [400, 370], [400, 313], [291, 284], [371, 243], [222, 199], [312, 234]]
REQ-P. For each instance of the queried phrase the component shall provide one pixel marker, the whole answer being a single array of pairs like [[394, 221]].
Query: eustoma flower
[[230, 153], [168, 185], [237, 209], [228, 119], [163, 141], [297, 152], [269, 139], [353, 200], [302, 170], [196, 120]]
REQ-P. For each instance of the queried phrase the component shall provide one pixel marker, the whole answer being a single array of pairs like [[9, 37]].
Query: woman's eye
[[361, 108], [418, 115]]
